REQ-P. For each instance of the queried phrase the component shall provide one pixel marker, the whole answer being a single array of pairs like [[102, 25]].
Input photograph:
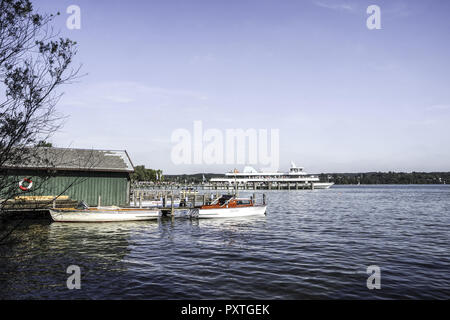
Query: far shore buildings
[[79, 174]]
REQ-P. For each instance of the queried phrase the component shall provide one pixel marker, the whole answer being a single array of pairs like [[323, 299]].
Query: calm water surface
[[312, 244]]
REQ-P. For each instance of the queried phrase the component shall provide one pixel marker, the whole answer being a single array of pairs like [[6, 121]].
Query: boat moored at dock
[[103, 214], [228, 206]]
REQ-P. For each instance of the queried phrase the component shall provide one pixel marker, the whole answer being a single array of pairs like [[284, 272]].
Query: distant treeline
[[345, 178], [192, 178], [388, 178], [143, 174]]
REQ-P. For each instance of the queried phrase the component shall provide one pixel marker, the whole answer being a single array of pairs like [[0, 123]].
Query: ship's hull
[[227, 212], [251, 184], [103, 215]]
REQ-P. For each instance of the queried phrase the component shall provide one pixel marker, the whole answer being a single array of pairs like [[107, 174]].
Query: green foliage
[[343, 178], [388, 178], [192, 178], [34, 64], [143, 174], [44, 144]]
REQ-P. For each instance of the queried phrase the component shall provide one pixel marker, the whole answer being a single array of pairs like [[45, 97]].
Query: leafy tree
[[34, 63], [389, 178], [143, 174], [44, 144]]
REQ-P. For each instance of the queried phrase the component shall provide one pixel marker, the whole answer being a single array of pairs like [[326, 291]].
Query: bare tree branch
[[34, 64]]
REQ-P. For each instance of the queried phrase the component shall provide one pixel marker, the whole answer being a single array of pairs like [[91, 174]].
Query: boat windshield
[[82, 205], [224, 199]]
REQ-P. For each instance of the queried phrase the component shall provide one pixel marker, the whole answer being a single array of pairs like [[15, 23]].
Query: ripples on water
[[311, 244]]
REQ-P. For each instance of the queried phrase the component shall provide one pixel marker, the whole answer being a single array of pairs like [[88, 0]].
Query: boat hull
[[227, 212], [104, 216], [323, 185]]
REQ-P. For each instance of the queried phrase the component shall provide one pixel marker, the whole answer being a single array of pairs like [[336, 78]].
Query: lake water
[[311, 245]]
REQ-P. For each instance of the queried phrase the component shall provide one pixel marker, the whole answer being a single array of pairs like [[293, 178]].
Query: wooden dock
[[27, 203], [168, 187], [168, 197]]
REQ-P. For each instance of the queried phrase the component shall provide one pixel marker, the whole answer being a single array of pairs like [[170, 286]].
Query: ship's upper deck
[[251, 172]]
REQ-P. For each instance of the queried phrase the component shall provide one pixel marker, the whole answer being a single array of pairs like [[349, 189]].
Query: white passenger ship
[[296, 178]]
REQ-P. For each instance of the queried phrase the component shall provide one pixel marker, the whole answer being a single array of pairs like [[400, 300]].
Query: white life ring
[[30, 184]]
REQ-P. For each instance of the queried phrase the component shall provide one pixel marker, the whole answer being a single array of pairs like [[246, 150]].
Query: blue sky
[[345, 98]]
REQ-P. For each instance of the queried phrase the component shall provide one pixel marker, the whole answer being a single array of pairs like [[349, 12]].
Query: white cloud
[[335, 6], [125, 92]]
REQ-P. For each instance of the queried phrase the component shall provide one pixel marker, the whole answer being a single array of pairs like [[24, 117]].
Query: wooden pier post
[[171, 204], [264, 199]]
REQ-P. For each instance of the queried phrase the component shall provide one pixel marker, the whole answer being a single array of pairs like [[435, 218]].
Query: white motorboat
[[103, 214], [228, 206]]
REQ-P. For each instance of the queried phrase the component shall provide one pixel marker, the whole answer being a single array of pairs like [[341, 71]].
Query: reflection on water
[[311, 244], [229, 223], [35, 265]]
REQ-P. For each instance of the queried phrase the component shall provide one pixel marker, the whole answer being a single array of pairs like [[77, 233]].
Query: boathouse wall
[[111, 187], [94, 176]]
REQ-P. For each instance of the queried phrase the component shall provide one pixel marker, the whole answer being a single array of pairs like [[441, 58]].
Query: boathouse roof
[[74, 160]]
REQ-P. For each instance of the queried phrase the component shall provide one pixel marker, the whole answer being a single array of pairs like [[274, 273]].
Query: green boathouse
[[80, 174]]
